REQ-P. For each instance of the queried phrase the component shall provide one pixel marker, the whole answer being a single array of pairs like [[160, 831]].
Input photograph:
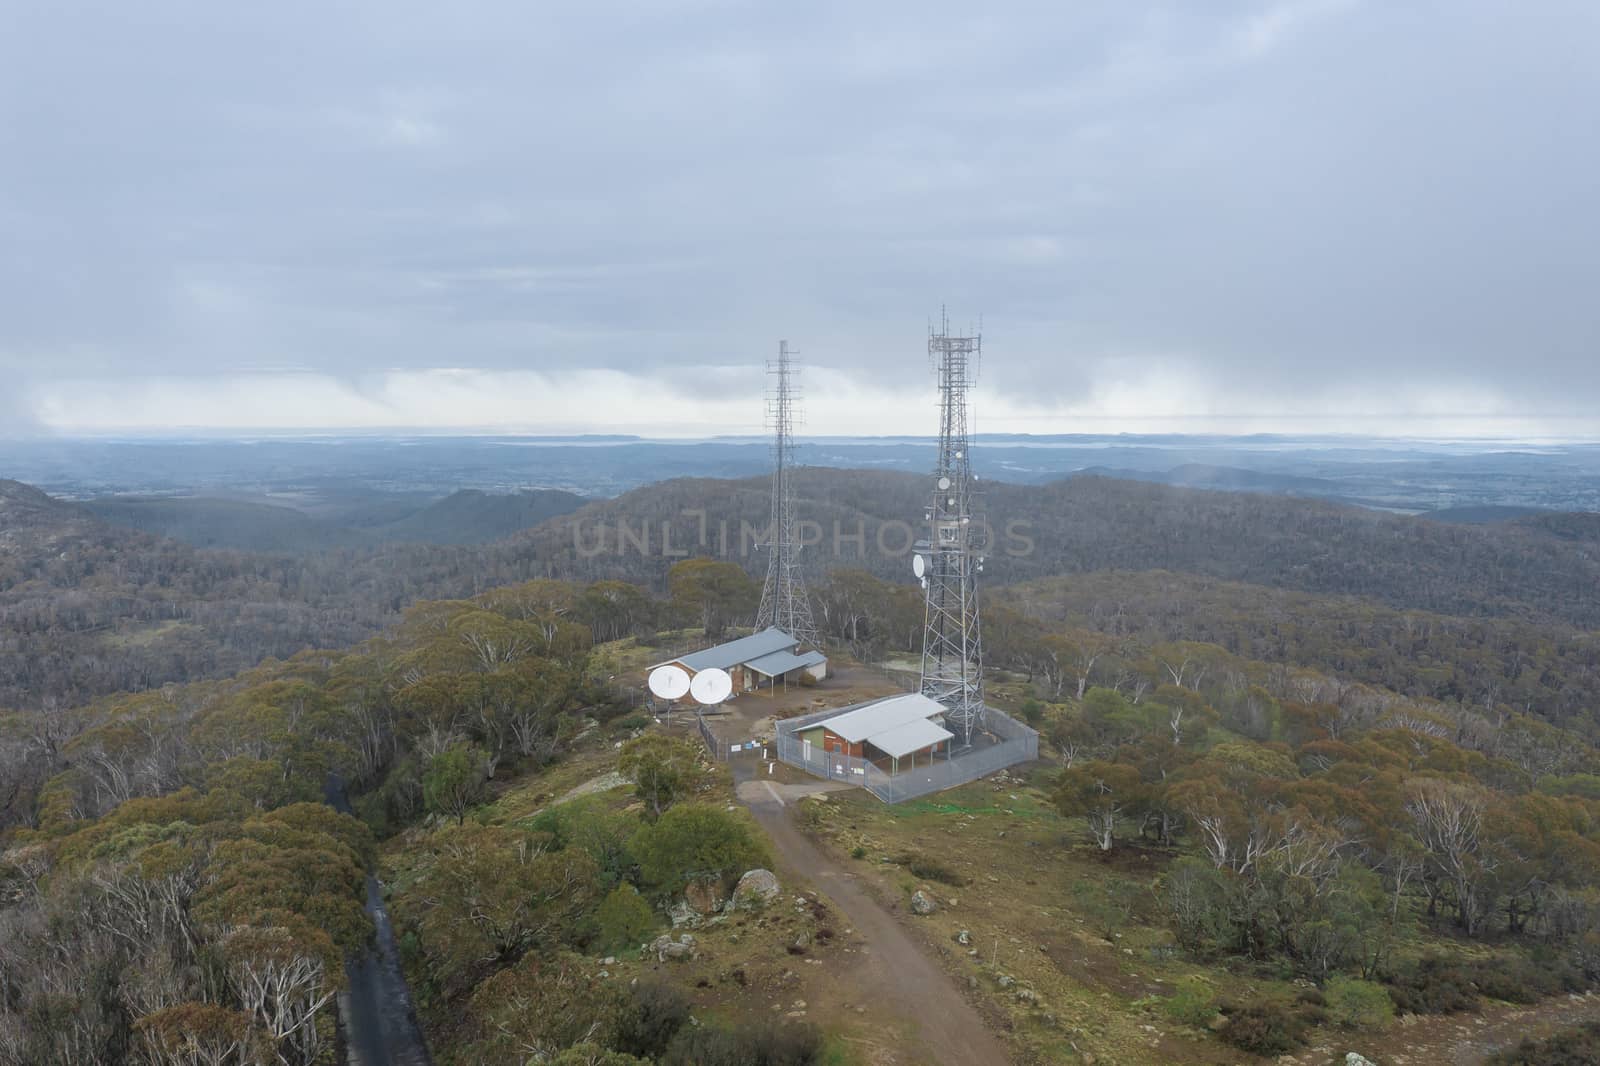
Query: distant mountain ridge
[[1227, 478], [469, 516], [87, 607]]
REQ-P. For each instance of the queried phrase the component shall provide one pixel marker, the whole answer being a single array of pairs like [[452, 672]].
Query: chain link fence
[[1006, 743]]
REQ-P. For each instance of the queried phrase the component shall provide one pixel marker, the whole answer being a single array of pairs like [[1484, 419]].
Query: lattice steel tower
[[784, 602], [952, 556]]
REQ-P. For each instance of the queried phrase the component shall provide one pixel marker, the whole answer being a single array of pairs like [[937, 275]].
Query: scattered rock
[[755, 888], [682, 914], [1027, 996], [922, 903], [1005, 980], [678, 950], [963, 938], [1355, 1058], [609, 960]]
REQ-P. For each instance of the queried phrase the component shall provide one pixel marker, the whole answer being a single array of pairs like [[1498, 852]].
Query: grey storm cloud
[[1303, 196]]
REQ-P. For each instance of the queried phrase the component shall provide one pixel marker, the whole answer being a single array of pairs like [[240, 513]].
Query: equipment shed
[[768, 658]]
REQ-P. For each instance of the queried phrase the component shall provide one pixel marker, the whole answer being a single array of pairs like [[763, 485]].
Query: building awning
[[781, 662], [879, 716], [905, 739]]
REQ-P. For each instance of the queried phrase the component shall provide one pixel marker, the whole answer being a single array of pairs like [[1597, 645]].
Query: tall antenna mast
[[784, 603], [952, 647]]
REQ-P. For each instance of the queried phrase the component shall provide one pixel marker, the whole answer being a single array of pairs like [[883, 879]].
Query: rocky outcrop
[[704, 897], [923, 903]]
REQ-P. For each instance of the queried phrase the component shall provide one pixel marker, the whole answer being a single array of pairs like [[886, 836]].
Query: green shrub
[[1568, 1048], [455, 781], [858, 852], [1191, 1003], [1358, 1004], [1434, 985], [632, 722], [693, 842], [652, 1017], [1520, 979], [623, 919], [1264, 1029], [768, 1044], [590, 826], [929, 869], [1107, 907]]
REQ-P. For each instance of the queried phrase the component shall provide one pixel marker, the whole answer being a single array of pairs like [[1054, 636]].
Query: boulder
[[755, 888], [704, 897], [678, 950], [1355, 1058], [680, 913], [922, 903]]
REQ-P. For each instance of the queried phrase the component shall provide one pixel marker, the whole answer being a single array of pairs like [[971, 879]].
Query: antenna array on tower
[[784, 603], [951, 557]]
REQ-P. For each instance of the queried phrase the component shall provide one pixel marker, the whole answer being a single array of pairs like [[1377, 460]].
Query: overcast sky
[[552, 216]]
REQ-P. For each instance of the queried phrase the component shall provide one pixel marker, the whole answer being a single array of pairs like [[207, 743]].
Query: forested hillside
[[1539, 570], [465, 517], [1489, 663], [87, 609], [1253, 828]]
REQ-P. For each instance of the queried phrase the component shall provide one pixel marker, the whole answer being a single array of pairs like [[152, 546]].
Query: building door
[[805, 750]]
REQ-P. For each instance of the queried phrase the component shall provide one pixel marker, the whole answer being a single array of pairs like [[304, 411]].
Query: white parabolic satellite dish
[[919, 565], [711, 686], [669, 682], [944, 483]]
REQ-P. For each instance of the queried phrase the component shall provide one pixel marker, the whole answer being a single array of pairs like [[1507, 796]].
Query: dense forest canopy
[[169, 870], [88, 609]]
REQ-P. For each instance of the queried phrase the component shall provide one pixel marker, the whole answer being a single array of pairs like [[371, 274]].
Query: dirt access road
[[895, 969]]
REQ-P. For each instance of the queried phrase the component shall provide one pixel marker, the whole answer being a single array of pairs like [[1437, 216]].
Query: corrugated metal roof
[[913, 736], [880, 716], [738, 651], [781, 662]]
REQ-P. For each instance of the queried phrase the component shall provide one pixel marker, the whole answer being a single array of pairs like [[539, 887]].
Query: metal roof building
[[894, 727], [863, 721], [761, 659]]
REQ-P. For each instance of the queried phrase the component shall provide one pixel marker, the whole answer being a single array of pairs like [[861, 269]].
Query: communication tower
[[784, 602], [949, 561]]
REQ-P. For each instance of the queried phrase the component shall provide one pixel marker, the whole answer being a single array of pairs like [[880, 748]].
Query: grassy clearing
[[1063, 946]]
